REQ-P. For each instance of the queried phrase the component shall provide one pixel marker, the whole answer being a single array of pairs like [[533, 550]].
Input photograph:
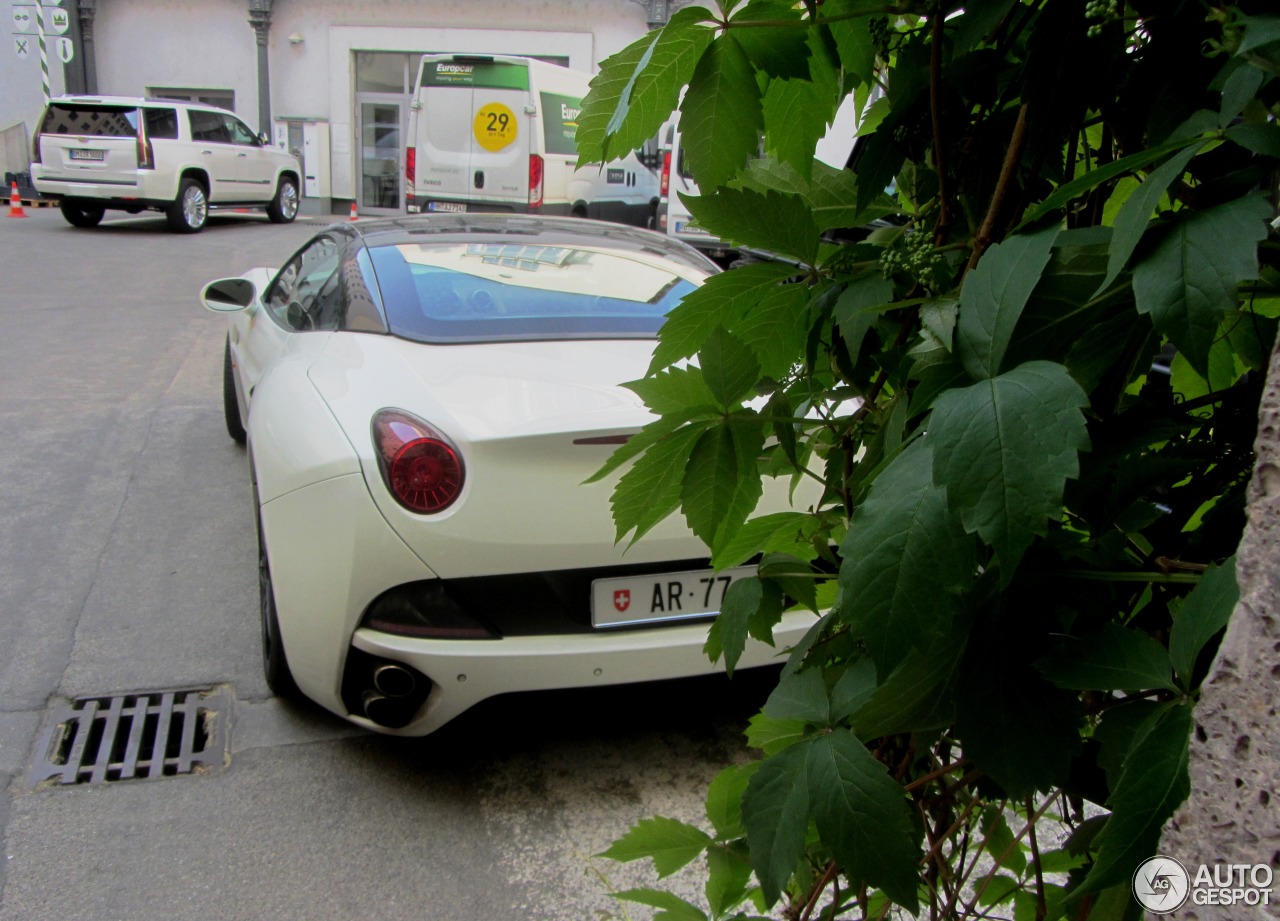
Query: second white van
[[498, 133]]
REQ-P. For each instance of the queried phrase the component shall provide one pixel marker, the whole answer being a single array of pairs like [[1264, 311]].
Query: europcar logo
[[1161, 885]]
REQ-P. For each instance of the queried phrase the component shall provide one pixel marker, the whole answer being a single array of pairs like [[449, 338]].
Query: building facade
[[329, 79]]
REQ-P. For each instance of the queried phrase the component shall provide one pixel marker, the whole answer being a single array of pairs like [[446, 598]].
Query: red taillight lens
[[146, 157], [420, 467], [35, 149], [410, 166], [666, 174], [535, 181]]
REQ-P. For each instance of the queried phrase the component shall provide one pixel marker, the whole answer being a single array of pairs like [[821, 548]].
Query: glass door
[[381, 133]]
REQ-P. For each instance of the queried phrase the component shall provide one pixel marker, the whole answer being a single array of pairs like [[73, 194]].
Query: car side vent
[[135, 736]]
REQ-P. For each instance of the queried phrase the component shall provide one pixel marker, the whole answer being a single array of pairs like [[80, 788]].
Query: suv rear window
[[106, 121], [484, 292]]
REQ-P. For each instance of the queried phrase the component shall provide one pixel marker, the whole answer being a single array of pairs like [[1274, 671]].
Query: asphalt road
[[127, 564]]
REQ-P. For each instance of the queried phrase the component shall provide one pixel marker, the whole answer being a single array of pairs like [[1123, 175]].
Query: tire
[[81, 215], [190, 210], [275, 667], [284, 206], [231, 402]]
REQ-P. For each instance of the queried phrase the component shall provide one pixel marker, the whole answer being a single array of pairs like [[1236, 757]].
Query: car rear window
[[104, 121], [497, 291]]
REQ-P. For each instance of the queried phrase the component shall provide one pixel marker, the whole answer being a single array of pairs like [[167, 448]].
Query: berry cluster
[[913, 255], [1101, 10], [881, 37]]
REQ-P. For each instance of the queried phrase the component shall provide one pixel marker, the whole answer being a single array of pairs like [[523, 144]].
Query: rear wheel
[[230, 402], [275, 667], [284, 206], [190, 210], [81, 215]]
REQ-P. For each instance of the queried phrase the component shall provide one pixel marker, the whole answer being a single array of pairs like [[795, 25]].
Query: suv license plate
[[88, 154], [457, 206], [661, 597]]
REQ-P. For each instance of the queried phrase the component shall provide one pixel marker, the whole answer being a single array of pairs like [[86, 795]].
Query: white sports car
[[422, 400]]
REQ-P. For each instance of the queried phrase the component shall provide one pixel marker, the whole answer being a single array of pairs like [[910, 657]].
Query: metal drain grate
[[134, 736]]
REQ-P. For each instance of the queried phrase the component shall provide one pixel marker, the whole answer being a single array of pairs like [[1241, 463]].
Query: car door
[[255, 170], [216, 153], [290, 307]]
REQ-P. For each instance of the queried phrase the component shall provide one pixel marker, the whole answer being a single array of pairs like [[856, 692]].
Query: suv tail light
[[420, 467], [535, 181], [35, 148], [410, 167], [665, 189], [146, 156]]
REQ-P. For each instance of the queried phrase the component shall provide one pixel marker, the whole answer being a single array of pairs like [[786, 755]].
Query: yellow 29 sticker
[[495, 126]]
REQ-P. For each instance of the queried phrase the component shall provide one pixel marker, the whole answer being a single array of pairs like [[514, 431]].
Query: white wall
[[22, 89]]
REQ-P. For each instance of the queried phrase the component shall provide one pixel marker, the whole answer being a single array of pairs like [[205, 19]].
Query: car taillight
[[410, 167], [35, 149], [420, 467], [666, 174], [535, 181], [146, 157]]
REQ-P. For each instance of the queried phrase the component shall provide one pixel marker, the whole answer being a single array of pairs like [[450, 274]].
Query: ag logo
[[1161, 885]]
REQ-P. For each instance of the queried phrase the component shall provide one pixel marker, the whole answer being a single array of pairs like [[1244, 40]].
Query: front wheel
[[231, 402], [190, 210], [275, 667], [79, 215], [284, 206]]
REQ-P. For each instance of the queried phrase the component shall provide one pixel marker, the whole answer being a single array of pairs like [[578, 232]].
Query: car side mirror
[[227, 295]]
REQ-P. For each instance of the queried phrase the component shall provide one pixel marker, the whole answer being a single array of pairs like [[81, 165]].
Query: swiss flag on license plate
[[622, 599]]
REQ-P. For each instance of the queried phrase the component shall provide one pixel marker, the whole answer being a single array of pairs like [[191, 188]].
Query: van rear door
[[90, 142], [474, 134]]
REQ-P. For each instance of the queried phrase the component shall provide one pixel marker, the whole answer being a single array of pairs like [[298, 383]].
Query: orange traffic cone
[[353, 210], [15, 203]]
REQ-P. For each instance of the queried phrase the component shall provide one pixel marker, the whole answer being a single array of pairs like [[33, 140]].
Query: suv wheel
[[284, 207], [80, 215], [190, 209]]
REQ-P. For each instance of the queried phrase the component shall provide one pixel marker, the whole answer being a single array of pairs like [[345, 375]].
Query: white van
[[834, 149], [498, 133]]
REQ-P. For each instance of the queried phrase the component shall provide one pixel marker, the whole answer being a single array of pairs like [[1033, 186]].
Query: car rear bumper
[[465, 672], [141, 188]]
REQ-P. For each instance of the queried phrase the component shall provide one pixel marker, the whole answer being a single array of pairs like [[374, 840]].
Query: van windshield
[[481, 292]]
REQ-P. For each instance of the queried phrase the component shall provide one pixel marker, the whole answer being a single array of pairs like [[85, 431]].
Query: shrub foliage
[[1027, 389]]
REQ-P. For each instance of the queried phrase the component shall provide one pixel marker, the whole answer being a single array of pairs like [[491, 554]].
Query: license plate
[[661, 597], [456, 206], [690, 228], [88, 154]]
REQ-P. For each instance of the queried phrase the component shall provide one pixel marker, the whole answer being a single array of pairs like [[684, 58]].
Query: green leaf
[[800, 696], [794, 119], [724, 800], [1000, 844], [728, 876], [1117, 659], [1000, 889], [734, 215], [918, 695], [606, 98], [853, 690], [1260, 137], [721, 301], [720, 119], [780, 53], [672, 907], [776, 329], [675, 390], [1116, 732], [906, 559], [1004, 449], [1094, 178], [1191, 278], [853, 309], [772, 736], [746, 604], [776, 813], [1241, 86], [1154, 783], [641, 441], [778, 532], [1131, 221], [650, 490], [863, 816], [1259, 31], [721, 483], [729, 369], [1202, 615], [669, 843], [993, 298]]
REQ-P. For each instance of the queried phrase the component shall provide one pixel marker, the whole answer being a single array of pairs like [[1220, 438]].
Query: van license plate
[[457, 206], [88, 154], [663, 596]]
